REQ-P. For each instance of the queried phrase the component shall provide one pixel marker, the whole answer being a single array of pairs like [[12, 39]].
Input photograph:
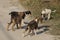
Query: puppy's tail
[[13, 13], [9, 13]]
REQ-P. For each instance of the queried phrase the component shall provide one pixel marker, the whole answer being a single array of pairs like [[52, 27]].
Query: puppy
[[32, 25]]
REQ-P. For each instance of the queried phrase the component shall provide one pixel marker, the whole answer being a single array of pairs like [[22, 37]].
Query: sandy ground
[[6, 6]]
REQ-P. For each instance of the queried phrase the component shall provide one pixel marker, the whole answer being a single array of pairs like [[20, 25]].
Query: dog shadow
[[24, 27], [44, 29]]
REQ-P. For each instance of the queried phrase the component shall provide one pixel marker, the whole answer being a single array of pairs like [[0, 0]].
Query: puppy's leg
[[33, 32], [25, 31], [49, 16], [13, 25], [29, 31], [17, 25], [8, 25], [20, 22]]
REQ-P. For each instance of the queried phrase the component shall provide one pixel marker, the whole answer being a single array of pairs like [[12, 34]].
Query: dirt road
[[7, 6]]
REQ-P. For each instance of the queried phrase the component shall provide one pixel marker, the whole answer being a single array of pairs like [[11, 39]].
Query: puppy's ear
[[30, 12], [27, 12]]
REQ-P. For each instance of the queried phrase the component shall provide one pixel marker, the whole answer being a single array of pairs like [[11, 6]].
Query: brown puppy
[[32, 25], [16, 18]]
